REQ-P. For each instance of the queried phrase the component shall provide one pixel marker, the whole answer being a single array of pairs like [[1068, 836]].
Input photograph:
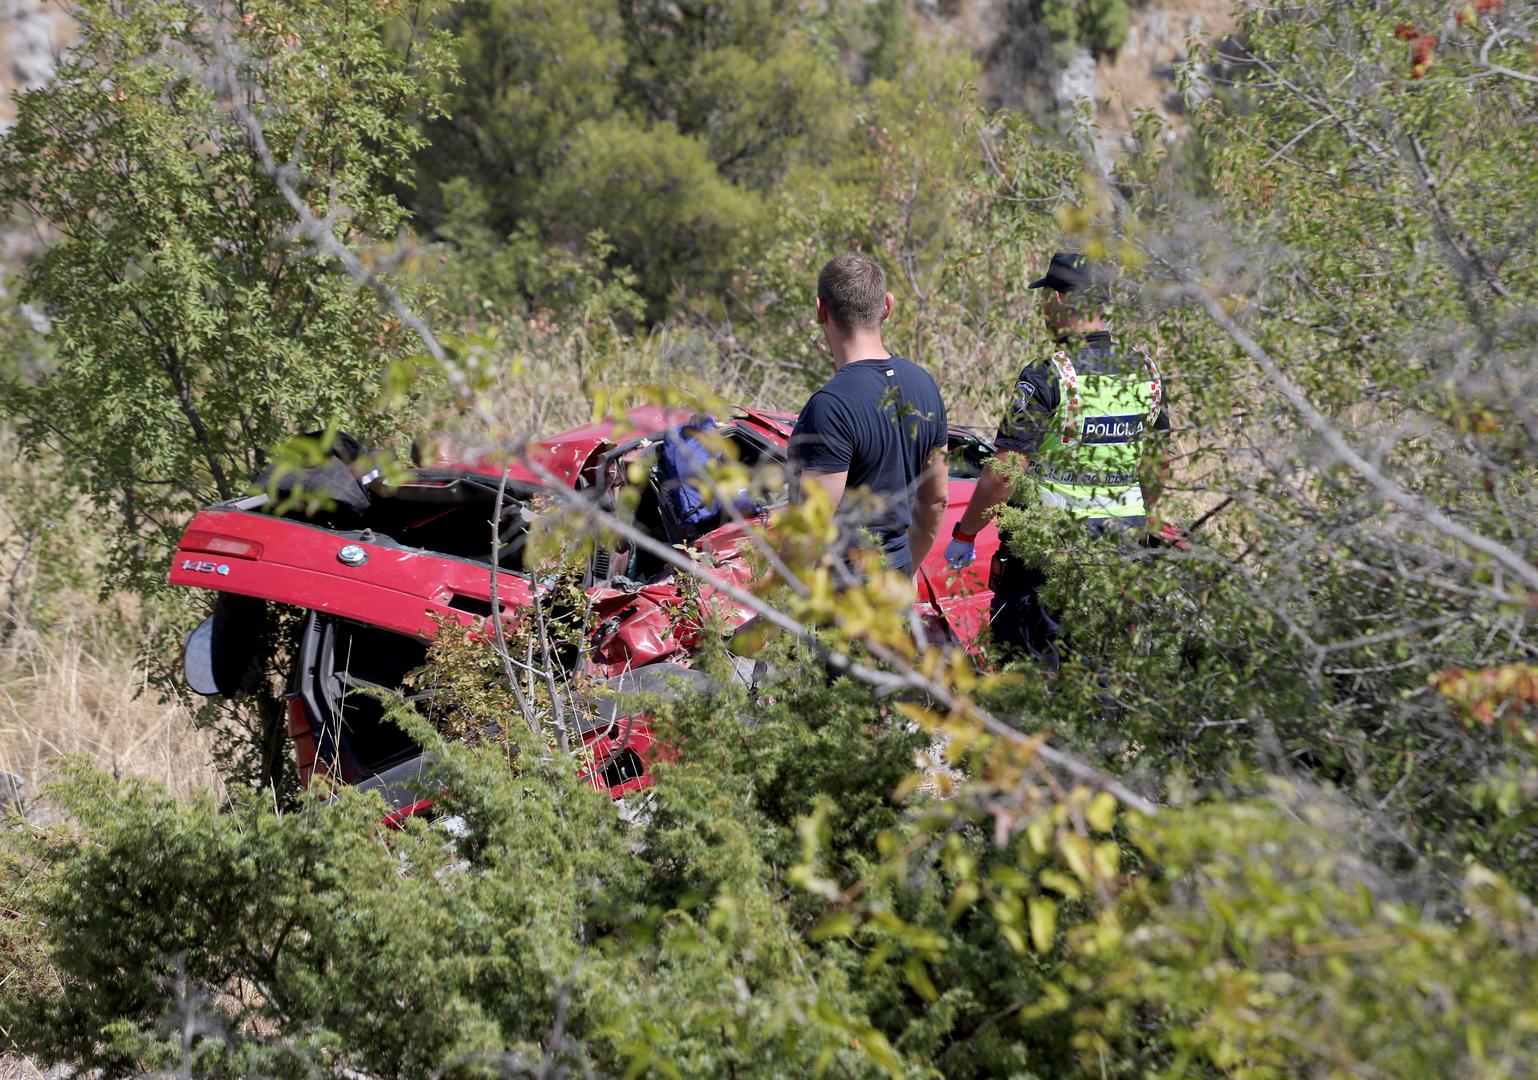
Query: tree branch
[[1381, 482]]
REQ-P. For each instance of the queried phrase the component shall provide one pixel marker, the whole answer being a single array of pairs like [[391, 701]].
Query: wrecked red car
[[373, 576]]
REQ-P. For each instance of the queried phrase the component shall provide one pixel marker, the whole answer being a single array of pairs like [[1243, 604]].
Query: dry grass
[[77, 691], [70, 681], [19, 1068], [73, 691]]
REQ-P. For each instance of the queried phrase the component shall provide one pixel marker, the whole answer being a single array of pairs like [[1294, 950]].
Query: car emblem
[[202, 567], [352, 555]]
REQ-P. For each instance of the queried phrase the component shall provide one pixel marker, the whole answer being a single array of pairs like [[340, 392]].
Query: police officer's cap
[[1071, 272]]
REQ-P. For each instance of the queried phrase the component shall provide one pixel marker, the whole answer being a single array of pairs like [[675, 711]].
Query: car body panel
[[397, 588], [778, 424]]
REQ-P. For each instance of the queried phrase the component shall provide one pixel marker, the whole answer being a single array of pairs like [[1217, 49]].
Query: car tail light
[[214, 544]]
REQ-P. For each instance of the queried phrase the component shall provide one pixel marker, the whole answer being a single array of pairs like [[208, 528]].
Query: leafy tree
[[662, 125], [1098, 25], [1388, 281], [741, 76], [958, 203], [482, 268], [654, 193], [528, 72], [190, 336]]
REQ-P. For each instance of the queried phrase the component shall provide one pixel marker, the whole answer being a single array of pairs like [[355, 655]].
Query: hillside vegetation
[[1277, 813]]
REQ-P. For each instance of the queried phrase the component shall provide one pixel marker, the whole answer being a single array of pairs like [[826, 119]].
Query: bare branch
[[499, 633], [1500, 69], [1380, 481]]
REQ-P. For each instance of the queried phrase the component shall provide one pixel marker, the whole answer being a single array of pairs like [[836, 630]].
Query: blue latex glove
[[960, 553]]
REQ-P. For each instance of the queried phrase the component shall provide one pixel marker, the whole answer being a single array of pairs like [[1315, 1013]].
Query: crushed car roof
[[567, 455]]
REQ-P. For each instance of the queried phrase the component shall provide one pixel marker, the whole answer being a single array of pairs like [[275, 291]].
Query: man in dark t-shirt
[[874, 437]]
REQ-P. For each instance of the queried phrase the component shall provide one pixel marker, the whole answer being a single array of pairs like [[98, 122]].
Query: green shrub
[[241, 940], [1098, 25]]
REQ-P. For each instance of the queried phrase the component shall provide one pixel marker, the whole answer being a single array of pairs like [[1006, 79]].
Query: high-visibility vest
[[1090, 456]]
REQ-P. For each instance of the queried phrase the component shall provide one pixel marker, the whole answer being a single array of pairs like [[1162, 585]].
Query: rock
[[1076, 82], [37, 319], [12, 794], [32, 34]]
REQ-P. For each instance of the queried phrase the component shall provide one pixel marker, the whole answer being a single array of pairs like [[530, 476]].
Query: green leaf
[[1101, 812], [1043, 919]]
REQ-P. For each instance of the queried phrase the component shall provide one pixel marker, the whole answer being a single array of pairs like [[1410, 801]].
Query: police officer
[[1077, 418]]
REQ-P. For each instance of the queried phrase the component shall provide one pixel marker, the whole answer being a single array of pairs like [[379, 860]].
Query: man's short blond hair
[[852, 289]]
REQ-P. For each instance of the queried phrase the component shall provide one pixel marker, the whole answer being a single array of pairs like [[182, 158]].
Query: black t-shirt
[[1037, 393], [878, 420]]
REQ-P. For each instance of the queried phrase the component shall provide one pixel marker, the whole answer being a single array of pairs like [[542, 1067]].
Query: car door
[[961, 596]]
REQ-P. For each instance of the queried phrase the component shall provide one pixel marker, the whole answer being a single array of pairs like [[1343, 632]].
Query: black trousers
[[1020, 621]]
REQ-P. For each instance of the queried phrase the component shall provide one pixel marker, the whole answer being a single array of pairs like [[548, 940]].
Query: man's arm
[[929, 504], [831, 482], [1156, 465], [1020, 434], [993, 488]]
